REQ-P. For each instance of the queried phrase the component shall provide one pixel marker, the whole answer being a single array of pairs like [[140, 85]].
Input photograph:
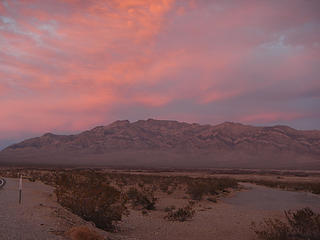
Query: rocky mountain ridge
[[174, 144]]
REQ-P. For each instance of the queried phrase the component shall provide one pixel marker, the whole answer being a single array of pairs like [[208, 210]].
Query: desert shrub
[[180, 214], [144, 212], [170, 208], [214, 200], [197, 190], [83, 233], [199, 187], [301, 224], [169, 192], [304, 222], [90, 199], [144, 198], [313, 187], [164, 187], [167, 185], [32, 179], [272, 229]]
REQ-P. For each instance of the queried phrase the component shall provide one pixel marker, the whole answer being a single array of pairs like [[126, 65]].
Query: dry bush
[[199, 187], [164, 187], [170, 209], [144, 198], [91, 198], [180, 214], [83, 233], [301, 224], [214, 200]]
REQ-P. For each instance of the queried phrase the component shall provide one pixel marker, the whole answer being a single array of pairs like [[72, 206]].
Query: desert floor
[[230, 218], [41, 217]]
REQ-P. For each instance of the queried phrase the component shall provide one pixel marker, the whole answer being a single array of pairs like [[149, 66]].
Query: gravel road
[[35, 218]]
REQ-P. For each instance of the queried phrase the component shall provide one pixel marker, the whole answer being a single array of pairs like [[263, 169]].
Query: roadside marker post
[[20, 188]]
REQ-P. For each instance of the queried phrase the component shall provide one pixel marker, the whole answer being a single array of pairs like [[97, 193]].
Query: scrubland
[[118, 201]]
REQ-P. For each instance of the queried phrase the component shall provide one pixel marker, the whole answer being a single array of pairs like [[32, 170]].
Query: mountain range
[[172, 144]]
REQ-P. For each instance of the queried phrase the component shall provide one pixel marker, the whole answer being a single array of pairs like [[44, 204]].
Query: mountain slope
[[160, 143]]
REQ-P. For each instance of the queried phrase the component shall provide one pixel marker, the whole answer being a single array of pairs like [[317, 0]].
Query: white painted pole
[[20, 188]]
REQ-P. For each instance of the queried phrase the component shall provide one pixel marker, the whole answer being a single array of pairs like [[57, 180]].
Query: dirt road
[[34, 218]]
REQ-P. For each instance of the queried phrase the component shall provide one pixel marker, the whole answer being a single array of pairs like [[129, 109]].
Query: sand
[[41, 217]]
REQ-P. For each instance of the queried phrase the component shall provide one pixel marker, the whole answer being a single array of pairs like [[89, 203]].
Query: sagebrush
[[302, 224]]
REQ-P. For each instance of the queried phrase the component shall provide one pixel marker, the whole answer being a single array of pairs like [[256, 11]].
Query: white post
[[20, 188]]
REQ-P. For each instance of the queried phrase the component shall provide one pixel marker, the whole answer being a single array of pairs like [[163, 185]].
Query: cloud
[[73, 64]]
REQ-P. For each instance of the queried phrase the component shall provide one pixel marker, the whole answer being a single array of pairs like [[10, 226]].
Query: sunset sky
[[70, 65]]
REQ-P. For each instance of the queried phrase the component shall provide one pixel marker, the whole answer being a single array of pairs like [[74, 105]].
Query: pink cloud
[[61, 61], [219, 95], [152, 100]]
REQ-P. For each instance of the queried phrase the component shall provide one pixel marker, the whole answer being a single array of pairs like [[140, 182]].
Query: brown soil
[[39, 216]]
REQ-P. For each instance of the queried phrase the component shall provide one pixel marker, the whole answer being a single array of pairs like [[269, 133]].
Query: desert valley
[[159, 120]]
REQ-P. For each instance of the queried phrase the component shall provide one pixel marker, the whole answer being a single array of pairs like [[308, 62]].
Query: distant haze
[[66, 66]]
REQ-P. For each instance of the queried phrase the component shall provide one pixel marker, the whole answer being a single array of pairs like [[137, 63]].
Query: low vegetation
[[313, 187], [303, 224], [104, 198], [180, 214], [144, 198], [91, 198], [209, 186]]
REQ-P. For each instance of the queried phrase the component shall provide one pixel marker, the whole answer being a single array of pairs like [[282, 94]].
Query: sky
[[69, 65]]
